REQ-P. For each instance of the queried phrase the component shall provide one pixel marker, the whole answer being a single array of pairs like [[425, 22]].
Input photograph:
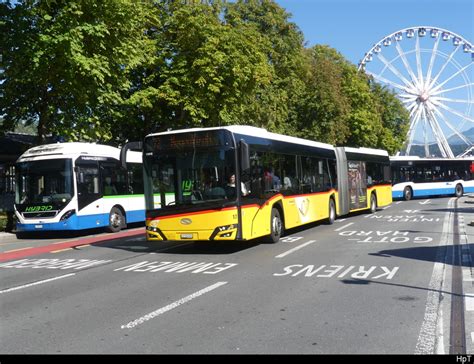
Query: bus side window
[[114, 179], [87, 184]]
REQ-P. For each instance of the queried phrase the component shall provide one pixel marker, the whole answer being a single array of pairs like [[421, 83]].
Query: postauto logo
[[39, 208]]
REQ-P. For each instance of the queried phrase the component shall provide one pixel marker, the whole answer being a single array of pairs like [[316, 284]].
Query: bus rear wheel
[[116, 220], [407, 193], [276, 226], [458, 191], [332, 212], [373, 203]]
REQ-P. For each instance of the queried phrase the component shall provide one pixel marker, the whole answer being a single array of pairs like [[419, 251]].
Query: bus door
[[357, 176], [88, 186], [342, 181]]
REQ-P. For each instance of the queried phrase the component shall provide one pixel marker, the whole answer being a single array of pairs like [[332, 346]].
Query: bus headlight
[[67, 215], [225, 231]]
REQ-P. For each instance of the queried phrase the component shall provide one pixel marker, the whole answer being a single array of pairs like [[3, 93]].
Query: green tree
[[205, 71], [66, 61], [273, 103], [340, 106], [323, 111], [394, 116]]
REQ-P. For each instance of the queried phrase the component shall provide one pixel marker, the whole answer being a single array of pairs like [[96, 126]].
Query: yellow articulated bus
[[241, 183]]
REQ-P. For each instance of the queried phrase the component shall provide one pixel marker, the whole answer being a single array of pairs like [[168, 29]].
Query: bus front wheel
[[407, 193], [276, 226], [116, 220], [458, 191]]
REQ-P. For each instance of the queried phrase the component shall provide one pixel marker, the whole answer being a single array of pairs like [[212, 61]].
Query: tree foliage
[[340, 106], [205, 71], [65, 60], [119, 69]]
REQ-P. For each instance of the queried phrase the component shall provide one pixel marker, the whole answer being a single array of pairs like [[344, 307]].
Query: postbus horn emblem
[[186, 221]]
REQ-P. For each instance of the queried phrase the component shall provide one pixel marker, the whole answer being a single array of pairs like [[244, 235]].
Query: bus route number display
[[186, 140]]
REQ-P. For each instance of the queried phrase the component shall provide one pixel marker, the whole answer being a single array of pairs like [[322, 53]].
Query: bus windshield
[[192, 176], [45, 181]]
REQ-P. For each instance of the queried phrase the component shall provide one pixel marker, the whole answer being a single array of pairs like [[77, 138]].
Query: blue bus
[[76, 186], [422, 177]]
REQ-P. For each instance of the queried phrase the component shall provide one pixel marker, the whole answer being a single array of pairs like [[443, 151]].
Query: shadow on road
[[140, 245], [449, 254], [403, 298]]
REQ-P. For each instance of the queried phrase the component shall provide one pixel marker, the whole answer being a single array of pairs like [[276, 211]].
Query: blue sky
[[433, 76], [353, 26]]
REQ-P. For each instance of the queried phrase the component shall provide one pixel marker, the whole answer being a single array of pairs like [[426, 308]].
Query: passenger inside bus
[[109, 188], [230, 188], [212, 190]]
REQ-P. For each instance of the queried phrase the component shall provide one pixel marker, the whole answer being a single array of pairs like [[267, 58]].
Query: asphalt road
[[399, 281]]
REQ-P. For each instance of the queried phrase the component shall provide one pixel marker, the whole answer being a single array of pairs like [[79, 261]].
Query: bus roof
[[255, 132], [363, 150], [75, 149], [414, 158]]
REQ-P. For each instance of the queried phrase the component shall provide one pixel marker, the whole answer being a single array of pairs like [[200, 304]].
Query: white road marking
[[17, 250], [343, 227], [440, 333], [169, 307], [425, 202], [430, 339], [60, 250], [466, 275], [36, 283], [295, 249], [469, 302]]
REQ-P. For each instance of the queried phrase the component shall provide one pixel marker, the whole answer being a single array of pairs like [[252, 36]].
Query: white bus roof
[[424, 159], [254, 131], [74, 150], [363, 150]]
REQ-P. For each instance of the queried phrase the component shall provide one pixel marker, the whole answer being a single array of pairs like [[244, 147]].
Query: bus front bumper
[[227, 232]]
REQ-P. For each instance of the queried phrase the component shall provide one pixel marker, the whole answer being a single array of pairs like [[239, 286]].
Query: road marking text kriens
[[338, 271]]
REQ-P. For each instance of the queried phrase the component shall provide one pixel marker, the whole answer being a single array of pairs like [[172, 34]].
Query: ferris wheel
[[431, 71]]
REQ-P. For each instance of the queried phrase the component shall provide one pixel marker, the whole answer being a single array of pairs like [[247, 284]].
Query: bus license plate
[[186, 236], [38, 226]]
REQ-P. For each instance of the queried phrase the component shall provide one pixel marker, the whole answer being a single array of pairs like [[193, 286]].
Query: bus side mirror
[[129, 146], [244, 157]]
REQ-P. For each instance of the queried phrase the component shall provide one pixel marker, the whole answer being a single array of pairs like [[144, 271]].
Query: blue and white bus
[[76, 186], [421, 177]]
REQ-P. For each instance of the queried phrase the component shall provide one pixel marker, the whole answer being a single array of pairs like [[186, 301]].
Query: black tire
[[276, 226], [332, 212], [373, 203], [458, 191], [407, 193], [116, 220]]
